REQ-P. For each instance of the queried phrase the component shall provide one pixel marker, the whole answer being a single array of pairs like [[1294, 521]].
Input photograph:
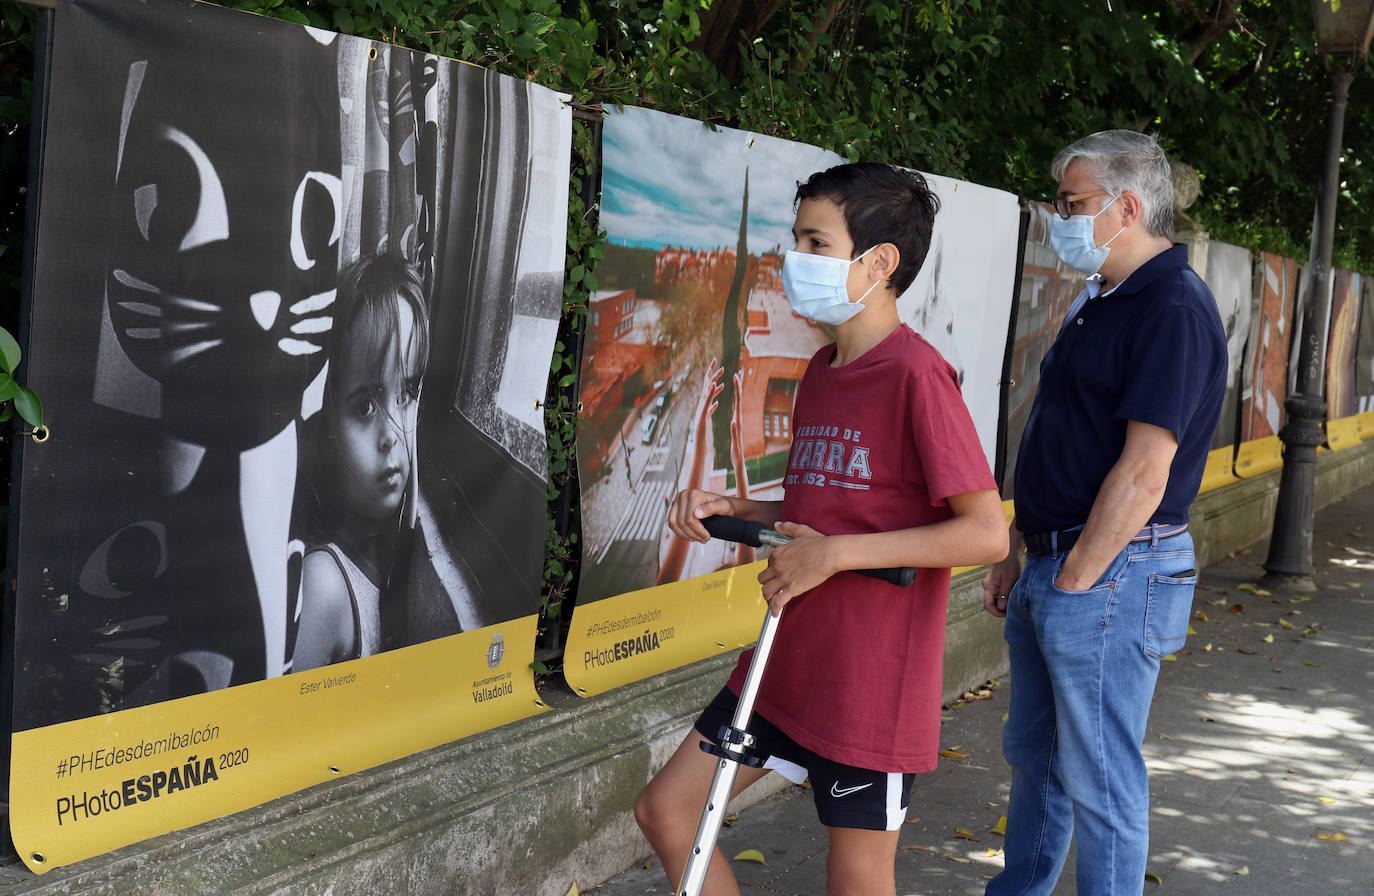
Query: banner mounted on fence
[[1230, 275], [294, 303], [1271, 330], [1048, 288], [1342, 375], [691, 338]]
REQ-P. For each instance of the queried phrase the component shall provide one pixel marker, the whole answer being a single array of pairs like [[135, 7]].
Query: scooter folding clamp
[[735, 745]]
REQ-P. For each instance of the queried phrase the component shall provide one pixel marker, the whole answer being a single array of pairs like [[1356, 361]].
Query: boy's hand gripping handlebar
[[730, 528], [736, 744]]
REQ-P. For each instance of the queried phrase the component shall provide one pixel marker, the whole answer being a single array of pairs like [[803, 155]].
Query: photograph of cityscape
[[693, 355]]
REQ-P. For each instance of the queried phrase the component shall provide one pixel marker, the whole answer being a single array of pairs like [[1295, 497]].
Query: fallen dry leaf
[[1246, 586], [1152, 878], [751, 855], [1336, 837], [1164, 659], [1325, 799], [953, 754], [1201, 616], [965, 834], [1268, 639], [1236, 608], [574, 890], [1242, 871], [1001, 826]]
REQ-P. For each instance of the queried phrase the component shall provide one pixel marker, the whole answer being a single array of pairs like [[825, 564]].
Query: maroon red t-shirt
[[877, 445]]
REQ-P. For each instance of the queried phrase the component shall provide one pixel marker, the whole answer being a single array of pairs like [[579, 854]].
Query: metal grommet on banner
[[371, 54], [39, 434]]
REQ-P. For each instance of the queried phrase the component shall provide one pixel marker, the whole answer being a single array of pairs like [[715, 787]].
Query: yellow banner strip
[[85, 787]]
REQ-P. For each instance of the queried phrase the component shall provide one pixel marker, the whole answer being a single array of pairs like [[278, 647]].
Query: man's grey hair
[[1127, 160]]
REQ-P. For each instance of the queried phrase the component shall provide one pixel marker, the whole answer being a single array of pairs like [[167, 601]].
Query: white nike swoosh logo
[[837, 792]]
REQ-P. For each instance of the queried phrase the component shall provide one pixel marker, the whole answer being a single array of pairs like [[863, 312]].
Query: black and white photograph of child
[[363, 472], [273, 263]]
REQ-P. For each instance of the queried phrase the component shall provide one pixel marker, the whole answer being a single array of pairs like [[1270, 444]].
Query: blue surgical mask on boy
[[817, 286], [1072, 241]]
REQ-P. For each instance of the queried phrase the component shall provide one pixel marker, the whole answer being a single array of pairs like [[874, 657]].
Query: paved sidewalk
[[1261, 754]]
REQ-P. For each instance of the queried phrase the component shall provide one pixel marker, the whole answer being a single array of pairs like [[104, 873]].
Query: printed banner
[[1341, 375], [693, 359], [294, 304], [1364, 351], [1266, 363], [1048, 288], [1230, 275]]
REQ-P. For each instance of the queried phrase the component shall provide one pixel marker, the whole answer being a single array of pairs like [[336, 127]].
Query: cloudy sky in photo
[[671, 181]]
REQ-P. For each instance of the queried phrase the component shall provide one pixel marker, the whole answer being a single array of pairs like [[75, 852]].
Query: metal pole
[[1289, 564], [727, 767]]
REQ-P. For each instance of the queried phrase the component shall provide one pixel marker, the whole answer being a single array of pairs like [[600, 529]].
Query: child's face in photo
[[375, 420]]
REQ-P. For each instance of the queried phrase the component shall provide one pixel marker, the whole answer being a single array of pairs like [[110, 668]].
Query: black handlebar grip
[[730, 528], [901, 576]]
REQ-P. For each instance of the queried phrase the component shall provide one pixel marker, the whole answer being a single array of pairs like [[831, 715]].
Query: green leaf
[[8, 387], [10, 354], [28, 406], [294, 15]]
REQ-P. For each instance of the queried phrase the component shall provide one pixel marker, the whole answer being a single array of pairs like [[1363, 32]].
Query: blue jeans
[[1083, 672]]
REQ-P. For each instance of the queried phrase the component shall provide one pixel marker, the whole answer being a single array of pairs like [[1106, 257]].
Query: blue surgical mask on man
[[817, 286], [1073, 242]]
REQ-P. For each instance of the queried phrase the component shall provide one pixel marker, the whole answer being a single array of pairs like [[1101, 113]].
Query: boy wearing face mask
[[886, 470], [1110, 461]]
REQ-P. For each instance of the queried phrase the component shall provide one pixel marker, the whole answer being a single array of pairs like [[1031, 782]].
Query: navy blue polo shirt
[[1153, 350]]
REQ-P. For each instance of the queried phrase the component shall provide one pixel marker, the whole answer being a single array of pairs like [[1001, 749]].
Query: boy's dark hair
[[881, 204]]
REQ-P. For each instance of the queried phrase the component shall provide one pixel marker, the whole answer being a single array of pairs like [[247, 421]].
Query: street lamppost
[[1344, 28]]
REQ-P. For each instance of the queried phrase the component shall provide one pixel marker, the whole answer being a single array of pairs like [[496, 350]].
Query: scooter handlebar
[[755, 534]]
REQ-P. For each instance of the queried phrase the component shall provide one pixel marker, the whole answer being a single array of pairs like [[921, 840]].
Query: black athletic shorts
[[846, 796]]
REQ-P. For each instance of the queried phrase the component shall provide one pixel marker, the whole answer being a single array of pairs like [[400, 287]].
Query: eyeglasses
[[1064, 203]]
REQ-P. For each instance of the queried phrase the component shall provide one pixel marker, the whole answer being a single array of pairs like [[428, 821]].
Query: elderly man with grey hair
[[1110, 461]]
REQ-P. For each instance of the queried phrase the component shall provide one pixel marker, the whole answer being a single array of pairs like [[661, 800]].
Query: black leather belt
[[1058, 542]]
